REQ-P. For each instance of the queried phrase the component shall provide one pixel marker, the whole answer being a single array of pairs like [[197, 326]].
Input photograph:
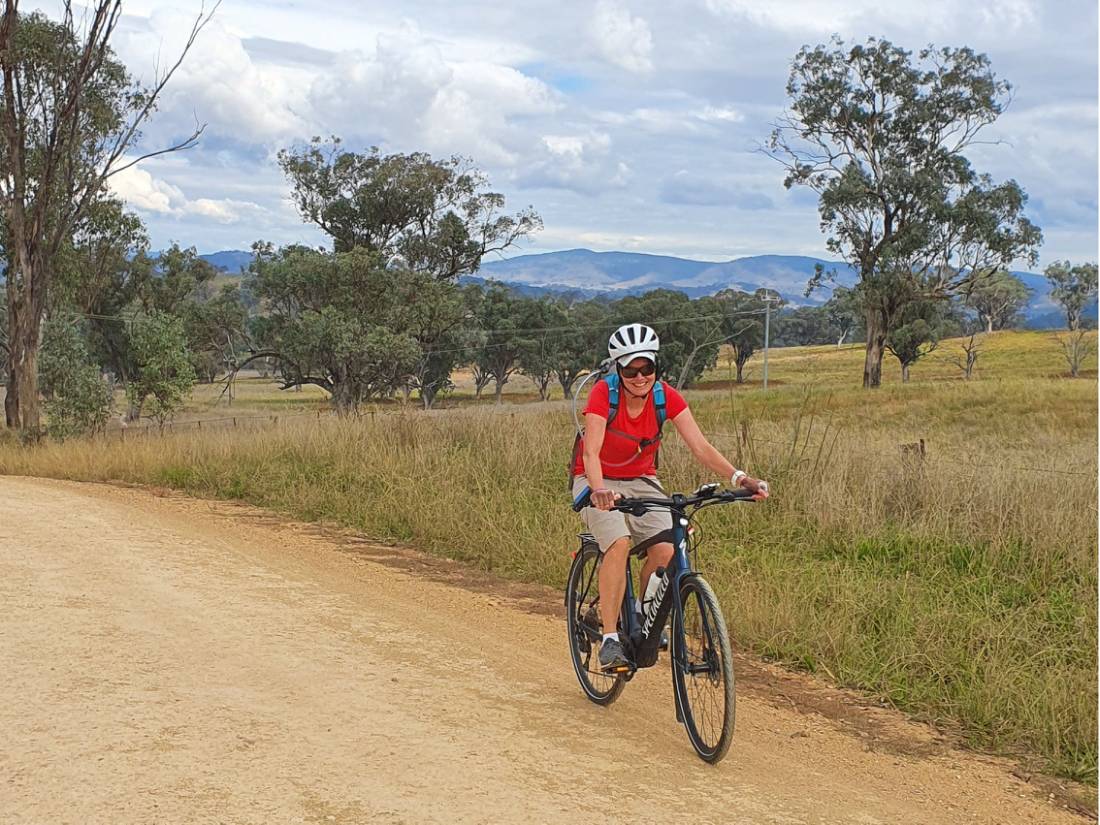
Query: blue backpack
[[613, 388]]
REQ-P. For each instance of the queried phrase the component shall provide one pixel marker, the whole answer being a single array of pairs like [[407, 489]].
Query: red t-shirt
[[619, 456]]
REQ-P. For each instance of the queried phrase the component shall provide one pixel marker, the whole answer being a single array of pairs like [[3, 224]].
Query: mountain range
[[587, 274]]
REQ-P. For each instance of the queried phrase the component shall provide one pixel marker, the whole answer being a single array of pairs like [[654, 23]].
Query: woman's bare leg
[[613, 582]]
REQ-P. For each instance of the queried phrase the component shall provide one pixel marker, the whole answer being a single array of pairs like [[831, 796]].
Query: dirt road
[[170, 660]]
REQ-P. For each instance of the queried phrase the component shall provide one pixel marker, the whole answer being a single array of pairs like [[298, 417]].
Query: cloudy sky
[[628, 125]]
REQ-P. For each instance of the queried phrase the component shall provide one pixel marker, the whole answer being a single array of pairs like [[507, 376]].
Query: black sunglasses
[[633, 372]]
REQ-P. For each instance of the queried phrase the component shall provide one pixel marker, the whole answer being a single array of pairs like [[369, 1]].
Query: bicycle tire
[[702, 670], [585, 628]]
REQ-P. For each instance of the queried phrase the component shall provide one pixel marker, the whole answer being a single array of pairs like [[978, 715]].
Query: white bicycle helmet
[[632, 341]]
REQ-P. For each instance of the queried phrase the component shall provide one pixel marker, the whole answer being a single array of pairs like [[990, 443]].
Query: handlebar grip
[[739, 494]]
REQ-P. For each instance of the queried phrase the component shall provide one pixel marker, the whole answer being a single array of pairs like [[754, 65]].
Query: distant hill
[[231, 261], [633, 272], [624, 273], [582, 273]]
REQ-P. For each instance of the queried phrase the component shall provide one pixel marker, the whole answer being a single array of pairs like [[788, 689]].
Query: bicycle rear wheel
[[702, 670], [582, 605]]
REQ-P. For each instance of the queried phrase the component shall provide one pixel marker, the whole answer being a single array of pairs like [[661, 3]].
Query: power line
[[567, 328]]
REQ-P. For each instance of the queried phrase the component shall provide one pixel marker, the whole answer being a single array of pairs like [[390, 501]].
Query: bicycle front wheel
[[702, 670], [582, 606]]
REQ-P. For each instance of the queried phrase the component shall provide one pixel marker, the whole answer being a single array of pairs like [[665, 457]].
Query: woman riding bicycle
[[618, 458]]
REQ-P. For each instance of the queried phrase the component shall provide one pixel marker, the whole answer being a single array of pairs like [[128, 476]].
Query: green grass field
[[960, 586]]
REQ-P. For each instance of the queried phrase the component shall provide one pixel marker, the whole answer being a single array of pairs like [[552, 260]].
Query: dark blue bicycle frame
[[646, 645]]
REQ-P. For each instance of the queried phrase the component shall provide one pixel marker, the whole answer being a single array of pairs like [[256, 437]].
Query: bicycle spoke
[[585, 628], [705, 676]]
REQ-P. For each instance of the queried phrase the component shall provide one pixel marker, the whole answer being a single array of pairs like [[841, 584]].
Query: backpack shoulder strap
[[659, 404], [612, 380]]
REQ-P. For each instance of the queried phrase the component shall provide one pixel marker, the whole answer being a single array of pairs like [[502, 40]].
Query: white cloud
[[720, 114], [217, 83], [620, 38], [406, 94], [673, 119], [581, 163], [828, 16], [222, 210], [142, 191], [146, 193]]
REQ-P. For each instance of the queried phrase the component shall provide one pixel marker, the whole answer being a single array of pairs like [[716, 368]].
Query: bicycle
[[702, 667]]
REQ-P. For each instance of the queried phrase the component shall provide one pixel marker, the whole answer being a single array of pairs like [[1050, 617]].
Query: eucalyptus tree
[[742, 325], [341, 321], [917, 332], [435, 217], [442, 320], [421, 218], [165, 374], [179, 277], [98, 276], [76, 398], [70, 116], [998, 300], [579, 344], [1075, 289], [881, 135], [216, 331], [844, 312], [538, 355], [502, 336]]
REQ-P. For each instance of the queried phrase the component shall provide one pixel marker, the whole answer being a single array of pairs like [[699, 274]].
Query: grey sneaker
[[612, 655]]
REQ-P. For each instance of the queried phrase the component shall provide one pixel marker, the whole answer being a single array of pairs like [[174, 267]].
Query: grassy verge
[[961, 586]]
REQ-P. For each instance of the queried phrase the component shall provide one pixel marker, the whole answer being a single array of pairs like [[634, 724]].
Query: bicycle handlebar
[[639, 506]]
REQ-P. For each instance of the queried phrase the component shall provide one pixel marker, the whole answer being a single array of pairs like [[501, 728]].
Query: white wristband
[[735, 479]]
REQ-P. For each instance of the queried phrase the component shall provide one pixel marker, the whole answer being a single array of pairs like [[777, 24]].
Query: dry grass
[[961, 587]]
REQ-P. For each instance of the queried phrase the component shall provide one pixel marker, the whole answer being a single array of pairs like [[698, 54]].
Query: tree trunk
[[11, 398], [24, 331], [989, 324], [905, 373], [740, 372], [876, 346], [343, 400], [27, 383], [840, 341], [566, 380], [499, 392]]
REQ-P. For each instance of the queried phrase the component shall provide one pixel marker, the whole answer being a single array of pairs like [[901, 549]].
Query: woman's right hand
[[755, 485], [604, 499]]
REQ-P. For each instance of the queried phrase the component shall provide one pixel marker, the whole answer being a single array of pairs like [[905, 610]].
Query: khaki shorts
[[610, 525]]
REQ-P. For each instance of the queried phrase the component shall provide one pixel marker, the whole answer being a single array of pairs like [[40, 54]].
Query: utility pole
[[767, 325]]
